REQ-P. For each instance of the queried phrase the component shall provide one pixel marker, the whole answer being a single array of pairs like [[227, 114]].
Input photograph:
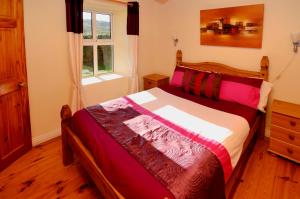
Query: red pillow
[[241, 90], [256, 82], [188, 79], [211, 89], [202, 83]]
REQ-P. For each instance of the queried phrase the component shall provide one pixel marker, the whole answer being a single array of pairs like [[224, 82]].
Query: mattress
[[125, 173]]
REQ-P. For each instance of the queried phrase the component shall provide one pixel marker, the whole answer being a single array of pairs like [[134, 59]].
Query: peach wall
[[48, 71], [149, 38], [181, 19], [47, 61]]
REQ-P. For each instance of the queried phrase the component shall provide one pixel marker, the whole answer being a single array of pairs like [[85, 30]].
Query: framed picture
[[240, 26]]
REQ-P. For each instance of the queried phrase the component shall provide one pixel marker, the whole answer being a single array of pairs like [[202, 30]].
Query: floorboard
[[41, 174], [268, 176]]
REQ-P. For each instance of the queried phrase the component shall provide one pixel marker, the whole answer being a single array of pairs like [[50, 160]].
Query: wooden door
[[15, 135]]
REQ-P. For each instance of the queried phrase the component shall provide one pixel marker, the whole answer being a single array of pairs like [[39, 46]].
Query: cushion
[[188, 80], [240, 93], [177, 76], [242, 90], [265, 90], [202, 83], [256, 82], [212, 86], [198, 78]]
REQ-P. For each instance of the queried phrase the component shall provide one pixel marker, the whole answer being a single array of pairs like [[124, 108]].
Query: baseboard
[[45, 137]]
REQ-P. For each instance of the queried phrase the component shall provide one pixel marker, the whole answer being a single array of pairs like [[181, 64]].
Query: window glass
[[105, 58], [87, 25], [103, 26], [88, 61], [98, 46]]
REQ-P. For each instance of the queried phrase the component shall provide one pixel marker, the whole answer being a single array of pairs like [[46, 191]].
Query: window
[[98, 45]]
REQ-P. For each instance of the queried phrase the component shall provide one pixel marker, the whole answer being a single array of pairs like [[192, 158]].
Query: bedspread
[[179, 159]]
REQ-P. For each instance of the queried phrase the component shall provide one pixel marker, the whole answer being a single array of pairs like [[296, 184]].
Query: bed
[[103, 155]]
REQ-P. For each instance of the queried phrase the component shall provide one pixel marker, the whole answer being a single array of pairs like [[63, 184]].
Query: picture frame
[[240, 26]]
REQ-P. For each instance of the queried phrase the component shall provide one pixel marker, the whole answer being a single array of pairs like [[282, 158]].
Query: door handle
[[22, 84], [11, 85]]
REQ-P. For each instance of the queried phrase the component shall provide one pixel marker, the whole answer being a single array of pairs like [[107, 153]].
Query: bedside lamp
[[296, 40]]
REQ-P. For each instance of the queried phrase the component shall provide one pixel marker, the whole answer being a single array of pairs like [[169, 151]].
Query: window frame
[[95, 42]]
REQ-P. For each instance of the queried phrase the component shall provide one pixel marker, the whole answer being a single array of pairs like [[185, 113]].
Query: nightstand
[[154, 80], [285, 130]]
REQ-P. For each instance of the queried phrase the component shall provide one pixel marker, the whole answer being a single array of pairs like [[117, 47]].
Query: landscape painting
[[234, 26]]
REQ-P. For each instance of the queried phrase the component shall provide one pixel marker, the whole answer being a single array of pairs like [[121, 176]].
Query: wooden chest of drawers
[[154, 80], [285, 130]]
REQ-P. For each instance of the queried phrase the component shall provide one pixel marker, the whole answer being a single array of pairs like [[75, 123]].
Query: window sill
[[100, 78]]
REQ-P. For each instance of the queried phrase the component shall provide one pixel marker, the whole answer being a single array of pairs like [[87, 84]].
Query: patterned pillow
[[188, 79], [212, 86], [202, 83]]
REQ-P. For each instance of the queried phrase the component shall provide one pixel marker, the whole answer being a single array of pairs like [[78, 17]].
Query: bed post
[[264, 69], [178, 57], [66, 116]]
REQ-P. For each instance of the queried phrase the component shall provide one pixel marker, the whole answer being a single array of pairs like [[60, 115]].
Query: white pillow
[[265, 90]]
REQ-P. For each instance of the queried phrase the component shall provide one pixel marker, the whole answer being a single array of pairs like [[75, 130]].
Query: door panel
[[7, 61], [15, 135], [13, 127], [7, 8]]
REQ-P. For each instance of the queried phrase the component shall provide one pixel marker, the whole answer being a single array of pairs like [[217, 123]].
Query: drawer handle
[[290, 151], [291, 137], [292, 123]]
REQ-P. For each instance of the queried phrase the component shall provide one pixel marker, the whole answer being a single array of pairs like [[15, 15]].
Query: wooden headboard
[[221, 68]]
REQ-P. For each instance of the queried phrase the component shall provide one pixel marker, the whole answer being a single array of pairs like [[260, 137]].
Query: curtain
[[74, 9], [133, 32]]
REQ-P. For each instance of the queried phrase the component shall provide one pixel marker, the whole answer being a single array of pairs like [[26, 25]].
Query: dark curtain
[[133, 18], [74, 9]]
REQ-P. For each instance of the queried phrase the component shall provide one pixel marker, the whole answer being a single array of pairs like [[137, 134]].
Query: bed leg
[[262, 128], [66, 150], [66, 116]]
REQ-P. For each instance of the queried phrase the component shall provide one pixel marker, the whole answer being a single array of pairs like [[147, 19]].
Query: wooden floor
[[268, 176], [41, 174]]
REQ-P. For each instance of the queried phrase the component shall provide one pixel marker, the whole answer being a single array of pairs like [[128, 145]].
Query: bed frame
[[72, 144]]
